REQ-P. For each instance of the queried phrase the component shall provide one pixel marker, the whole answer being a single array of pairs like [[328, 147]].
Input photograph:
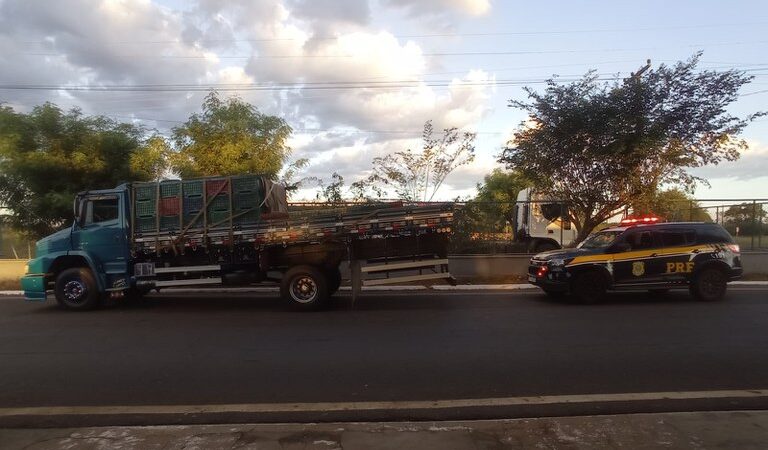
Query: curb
[[460, 287]]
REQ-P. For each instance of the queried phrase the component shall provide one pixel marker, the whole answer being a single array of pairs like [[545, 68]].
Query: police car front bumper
[[541, 274]]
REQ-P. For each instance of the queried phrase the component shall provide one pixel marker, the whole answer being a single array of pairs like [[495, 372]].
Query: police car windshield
[[600, 240]]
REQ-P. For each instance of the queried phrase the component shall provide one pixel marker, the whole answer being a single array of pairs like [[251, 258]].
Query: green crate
[[170, 189], [218, 219], [145, 208], [168, 223], [145, 224], [246, 184], [219, 203], [246, 200], [145, 192], [193, 188]]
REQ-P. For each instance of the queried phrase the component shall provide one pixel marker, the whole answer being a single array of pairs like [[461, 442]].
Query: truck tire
[[76, 289], [334, 280], [589, 287], [305, 288], [709, 285]]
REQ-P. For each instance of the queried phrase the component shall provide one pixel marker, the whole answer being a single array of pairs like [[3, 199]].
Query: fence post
[[754, 223]]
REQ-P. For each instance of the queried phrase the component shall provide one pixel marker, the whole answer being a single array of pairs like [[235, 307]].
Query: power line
[[440, 35]]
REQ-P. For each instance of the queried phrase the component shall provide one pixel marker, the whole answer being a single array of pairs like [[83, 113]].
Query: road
[[236, 349]]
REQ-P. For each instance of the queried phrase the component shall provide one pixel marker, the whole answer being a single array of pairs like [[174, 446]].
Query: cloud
[[435, 7], [753, 163]]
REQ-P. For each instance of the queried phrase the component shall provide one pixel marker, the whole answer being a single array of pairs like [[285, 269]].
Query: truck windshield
[[600, 240]]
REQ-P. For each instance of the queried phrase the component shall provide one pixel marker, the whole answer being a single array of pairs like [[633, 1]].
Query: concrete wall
[[487, 266]]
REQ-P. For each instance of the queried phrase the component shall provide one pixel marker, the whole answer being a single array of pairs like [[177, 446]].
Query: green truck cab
[[90, 255], [235, 230]]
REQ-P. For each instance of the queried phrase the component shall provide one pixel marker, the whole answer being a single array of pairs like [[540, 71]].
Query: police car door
[[679, 251], [642, 263]]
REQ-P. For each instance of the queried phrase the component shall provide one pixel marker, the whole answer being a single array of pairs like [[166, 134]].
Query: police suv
[[652, 256]]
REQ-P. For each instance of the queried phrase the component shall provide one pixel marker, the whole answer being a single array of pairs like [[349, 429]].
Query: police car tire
[[589, 287], [709, 285], [77, 278]]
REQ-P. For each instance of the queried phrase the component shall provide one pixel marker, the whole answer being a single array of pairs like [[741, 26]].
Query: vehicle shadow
[[626, 298]]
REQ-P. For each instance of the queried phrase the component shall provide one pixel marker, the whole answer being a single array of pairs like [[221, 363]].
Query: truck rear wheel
[[76, 289], [304, 287], [334, 280]]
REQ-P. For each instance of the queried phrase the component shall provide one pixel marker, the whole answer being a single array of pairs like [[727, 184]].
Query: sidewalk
[[724, 430]]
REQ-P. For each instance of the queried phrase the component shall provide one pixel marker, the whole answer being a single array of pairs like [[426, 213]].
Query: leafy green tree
[[598, 145], [48, 156], [332, 193], [230, 137], [498, 193], [747, 218], [150, 161], [671, 205], [418, 175]]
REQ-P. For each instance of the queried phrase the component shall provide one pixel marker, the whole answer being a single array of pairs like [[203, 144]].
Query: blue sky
[[419, 42]]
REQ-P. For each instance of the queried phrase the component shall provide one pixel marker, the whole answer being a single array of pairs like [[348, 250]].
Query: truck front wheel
[[76, 289], [304, 287]]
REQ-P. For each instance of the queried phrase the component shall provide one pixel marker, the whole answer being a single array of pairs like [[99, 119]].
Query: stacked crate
[[193, 203], [218, 200], [145, 211], [248, 194], [170, 205]]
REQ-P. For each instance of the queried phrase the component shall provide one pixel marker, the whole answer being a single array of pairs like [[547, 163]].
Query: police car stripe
[[640, 254]]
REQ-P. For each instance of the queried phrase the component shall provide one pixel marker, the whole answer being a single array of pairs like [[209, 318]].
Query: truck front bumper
[[33, 286]]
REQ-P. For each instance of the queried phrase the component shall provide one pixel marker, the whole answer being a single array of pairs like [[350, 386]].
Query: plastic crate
[[146, 224], [247, 200], [219, 203], [145, 192], [193, 188], [190, 216], [250, 183], [145, 208], [213, 187], [218, 219], [169, 223], [170, 189], [193, 204], [169, 206]]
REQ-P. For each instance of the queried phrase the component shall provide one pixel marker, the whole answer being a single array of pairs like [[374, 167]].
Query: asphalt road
[[247, 348]]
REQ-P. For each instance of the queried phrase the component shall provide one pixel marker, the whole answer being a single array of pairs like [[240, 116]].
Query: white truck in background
[[541, 224]]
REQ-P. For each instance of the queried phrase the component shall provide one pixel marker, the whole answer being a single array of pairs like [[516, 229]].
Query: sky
[[357, 79]]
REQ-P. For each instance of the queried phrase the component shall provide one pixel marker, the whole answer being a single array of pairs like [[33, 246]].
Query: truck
[[232, 231], [541, 224]]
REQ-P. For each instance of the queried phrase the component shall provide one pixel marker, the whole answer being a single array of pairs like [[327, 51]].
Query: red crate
[[213, 187], [169, 206]]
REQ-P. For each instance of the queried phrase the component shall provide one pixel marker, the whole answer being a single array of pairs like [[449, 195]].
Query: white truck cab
[[540, 223]]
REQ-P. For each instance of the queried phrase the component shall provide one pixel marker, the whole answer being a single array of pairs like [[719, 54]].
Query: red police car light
[[634, 220]]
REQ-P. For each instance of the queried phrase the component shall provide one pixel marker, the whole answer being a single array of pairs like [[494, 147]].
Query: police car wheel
[[589, 287], [709, 285]]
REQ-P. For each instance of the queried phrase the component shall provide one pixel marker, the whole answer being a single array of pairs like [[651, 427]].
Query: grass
[[10, 272]]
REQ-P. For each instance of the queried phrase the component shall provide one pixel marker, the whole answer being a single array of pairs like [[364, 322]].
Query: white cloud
[[432, 7]]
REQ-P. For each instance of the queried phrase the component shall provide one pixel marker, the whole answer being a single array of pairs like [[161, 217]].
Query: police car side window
[[640, 240], [677, 238]]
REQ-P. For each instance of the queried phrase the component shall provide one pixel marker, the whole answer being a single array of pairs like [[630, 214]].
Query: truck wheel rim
[[303, 289], [74, 290]]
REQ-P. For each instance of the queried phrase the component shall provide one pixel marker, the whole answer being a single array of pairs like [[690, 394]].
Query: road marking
[[377, 405]]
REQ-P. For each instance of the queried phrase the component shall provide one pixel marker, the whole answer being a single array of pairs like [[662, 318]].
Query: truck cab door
[[101, 234]]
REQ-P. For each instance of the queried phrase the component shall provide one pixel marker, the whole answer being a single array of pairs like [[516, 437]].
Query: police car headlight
[[556, 262]]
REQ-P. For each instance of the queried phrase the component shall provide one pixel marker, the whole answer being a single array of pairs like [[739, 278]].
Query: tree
[[230, 137], [418, 175], [332, 193], [747, 218], [597, 145], [671, 205], [498, 193], [48, 156], [150, 161]]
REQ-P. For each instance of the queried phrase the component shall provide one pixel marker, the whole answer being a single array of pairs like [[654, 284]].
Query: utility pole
[[640, 71]]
